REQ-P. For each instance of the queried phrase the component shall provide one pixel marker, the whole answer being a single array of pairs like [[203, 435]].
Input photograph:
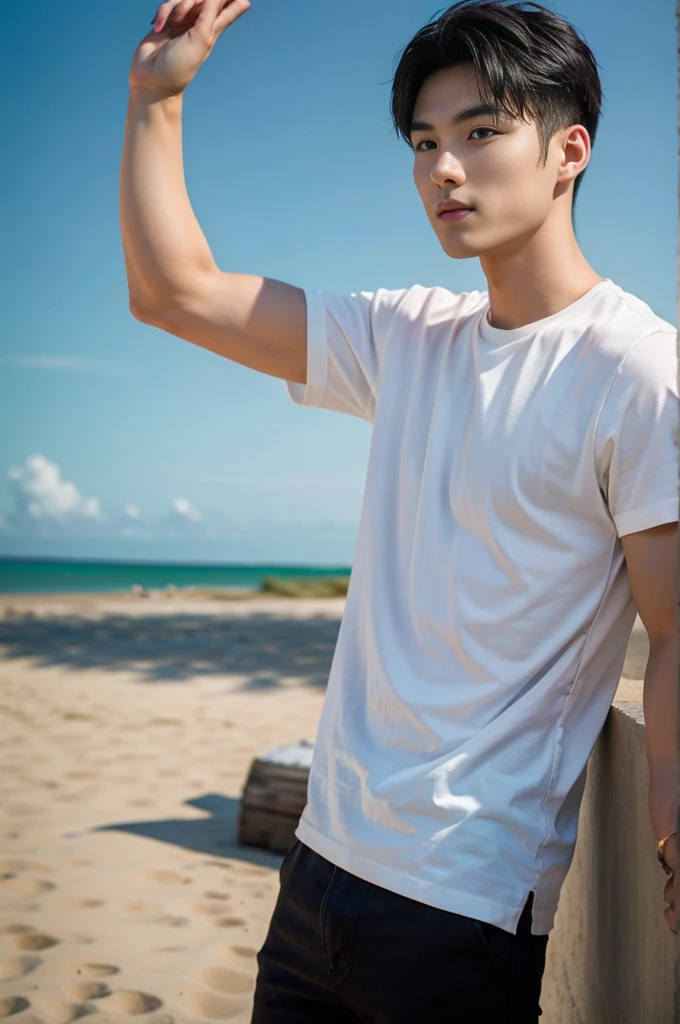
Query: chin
[[459, 249]]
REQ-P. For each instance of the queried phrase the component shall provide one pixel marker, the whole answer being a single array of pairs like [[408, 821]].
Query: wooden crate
[[274, 797]]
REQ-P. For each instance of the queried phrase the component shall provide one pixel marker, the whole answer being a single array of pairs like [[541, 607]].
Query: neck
[[536, 278]]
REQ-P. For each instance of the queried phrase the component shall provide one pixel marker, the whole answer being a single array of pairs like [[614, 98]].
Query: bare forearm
[[660, 701], [164, 246]]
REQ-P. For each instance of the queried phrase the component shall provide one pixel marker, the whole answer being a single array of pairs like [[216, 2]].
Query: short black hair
[[527, 60]]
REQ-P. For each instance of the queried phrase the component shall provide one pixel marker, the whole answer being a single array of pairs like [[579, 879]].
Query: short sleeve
[[345, 340], [636, 443]]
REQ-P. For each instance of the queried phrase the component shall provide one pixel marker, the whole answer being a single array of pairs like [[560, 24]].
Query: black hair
[[527, 59]]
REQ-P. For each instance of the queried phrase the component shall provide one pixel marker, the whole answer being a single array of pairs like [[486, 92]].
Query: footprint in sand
[[214, 1007], [242, 952], [169, 877], [25, 810], [15, 929], [12, 1004], [229, 922], [142, 907], [170, 921], [12, 866], [58, 1010], [209, 894], [209, 909], [88, 970], [222, 979], [24, 886], [77, 904], [32, 941], [14, 967], [130, 1003], [81, 991]]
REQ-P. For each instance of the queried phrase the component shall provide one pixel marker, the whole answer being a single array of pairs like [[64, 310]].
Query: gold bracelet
[[660, 846]]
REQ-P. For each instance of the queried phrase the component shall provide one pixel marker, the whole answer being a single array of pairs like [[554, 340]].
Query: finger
[[167, 14], [208, 18], [161, 16], [230, 13], [187, 9]]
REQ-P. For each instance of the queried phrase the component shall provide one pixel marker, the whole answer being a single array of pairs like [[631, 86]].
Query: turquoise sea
[[42, 576]]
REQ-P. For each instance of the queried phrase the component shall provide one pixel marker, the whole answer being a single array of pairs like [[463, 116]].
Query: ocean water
[[43, 576]]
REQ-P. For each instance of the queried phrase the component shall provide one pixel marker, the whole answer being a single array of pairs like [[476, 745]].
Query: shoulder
[[428, 305], [627, 330]]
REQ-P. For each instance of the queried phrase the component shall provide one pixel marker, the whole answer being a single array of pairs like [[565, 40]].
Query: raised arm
[[173, 280]]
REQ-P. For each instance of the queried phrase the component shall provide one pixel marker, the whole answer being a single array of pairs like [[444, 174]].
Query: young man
[[521, 502]]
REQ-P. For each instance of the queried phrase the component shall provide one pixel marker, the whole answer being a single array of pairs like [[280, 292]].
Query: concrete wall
[[611, 956]]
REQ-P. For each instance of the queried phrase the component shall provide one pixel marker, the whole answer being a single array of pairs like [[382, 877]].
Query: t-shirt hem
[[455, 901], [313, 392], [645, 518]]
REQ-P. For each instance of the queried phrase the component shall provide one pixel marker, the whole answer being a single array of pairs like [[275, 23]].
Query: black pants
[[341, 950]]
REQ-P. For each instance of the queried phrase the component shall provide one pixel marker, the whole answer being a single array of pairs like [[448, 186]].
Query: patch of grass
[[219, 593], [275, 586], [316, 586]]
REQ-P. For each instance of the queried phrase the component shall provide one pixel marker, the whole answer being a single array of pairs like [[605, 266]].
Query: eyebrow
[[481, 110]]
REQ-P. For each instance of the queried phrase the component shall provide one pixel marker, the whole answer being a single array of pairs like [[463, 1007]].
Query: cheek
[[420, 176], [423, 183]]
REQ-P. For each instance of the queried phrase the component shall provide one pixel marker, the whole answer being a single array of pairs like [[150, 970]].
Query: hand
[[671, 892], [183, 36]]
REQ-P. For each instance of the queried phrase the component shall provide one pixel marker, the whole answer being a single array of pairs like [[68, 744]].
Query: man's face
[[489, 164]]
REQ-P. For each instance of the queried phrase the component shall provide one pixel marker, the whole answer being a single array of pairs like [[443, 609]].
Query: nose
[[447, 171]]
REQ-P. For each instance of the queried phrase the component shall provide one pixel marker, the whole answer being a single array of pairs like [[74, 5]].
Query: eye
[[419, 144], [492, 130]]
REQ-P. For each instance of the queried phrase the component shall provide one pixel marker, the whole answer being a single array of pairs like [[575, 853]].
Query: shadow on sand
[[180, 647], [214, 836]]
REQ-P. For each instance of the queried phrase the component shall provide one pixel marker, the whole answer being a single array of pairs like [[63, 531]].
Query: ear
[[573, 153]]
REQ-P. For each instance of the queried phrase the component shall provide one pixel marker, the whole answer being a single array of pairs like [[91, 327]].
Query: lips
[[455, 216], [451, 205]]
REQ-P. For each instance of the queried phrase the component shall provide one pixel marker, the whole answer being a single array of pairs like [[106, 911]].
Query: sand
[[128, 728]]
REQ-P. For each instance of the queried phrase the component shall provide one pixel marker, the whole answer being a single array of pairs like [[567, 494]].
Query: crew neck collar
[[499, 336]]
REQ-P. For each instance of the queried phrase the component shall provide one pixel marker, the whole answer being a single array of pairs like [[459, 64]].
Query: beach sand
[[128, 728]]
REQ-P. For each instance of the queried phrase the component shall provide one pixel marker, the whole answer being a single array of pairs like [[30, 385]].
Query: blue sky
[[120, 441]]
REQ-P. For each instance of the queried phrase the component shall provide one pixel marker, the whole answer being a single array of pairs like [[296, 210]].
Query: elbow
[[140, 312]]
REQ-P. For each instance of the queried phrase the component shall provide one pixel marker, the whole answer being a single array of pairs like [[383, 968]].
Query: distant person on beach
[[521, 504]]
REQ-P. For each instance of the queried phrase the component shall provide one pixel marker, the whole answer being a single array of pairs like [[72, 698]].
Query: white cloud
[[41, 495], [77, 364], [49, 507], [183, 510]]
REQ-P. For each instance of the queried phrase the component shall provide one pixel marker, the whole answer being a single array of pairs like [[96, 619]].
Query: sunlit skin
[[521, 228]]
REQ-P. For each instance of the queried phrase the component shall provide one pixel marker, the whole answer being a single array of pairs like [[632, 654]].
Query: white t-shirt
[[489, 607]]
